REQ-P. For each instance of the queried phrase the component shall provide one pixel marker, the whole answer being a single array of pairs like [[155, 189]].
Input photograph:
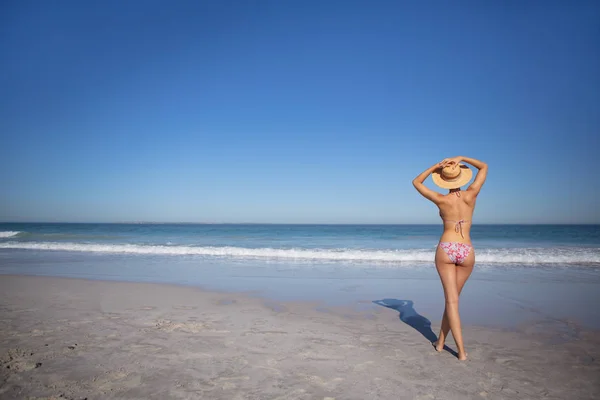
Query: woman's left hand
[[450, 161]]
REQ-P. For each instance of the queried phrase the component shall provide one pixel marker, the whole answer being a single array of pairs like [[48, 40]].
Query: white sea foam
[[484, 256], [7, 234]]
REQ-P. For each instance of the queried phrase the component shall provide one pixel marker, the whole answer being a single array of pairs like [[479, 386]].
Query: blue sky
[[296, 111]]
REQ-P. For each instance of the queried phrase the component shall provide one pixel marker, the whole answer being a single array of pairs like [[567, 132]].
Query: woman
[[454, 256]]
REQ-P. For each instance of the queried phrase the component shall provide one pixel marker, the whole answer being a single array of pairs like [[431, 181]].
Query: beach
[[64, 338], [141, 311]]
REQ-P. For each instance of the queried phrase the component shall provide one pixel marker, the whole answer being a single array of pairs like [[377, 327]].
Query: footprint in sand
[[169, 326], [117, 380], [505, 361], [493, 384], [398, 356], [18, 360]]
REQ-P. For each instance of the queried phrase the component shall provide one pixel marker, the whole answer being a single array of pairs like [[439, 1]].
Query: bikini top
[[457, 225]]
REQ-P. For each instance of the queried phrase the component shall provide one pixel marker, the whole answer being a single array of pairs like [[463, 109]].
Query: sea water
[[553, 269], [394, 246]]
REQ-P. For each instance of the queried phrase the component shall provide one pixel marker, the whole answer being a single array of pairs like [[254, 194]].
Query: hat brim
[[465, 176]]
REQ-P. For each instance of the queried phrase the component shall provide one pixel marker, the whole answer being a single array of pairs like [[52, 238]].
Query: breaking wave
[[484, 256], [7, 234]]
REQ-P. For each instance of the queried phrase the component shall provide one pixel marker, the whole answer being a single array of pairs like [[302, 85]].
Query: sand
[[66, 338]]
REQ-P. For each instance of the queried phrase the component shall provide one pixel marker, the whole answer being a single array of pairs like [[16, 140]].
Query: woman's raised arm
[[424, 190], [481, 176]]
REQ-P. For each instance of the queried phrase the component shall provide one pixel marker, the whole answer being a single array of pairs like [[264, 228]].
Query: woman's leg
[[462, 274], [453, 280]]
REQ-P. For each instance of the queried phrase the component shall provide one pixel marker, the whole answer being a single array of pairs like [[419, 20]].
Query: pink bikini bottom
[[457, 252]]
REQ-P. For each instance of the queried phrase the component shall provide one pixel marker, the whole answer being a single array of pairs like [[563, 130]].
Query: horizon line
[[279, 223]]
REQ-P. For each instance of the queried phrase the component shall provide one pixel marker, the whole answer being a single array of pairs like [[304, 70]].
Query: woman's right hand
[[450, 161]]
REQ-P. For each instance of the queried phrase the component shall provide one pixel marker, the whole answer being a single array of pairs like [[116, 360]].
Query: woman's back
[[456, 209]]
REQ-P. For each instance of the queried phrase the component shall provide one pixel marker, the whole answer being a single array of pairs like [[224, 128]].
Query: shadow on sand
[[412, 318]]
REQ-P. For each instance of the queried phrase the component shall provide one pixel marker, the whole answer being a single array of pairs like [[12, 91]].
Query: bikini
[[457, 252]]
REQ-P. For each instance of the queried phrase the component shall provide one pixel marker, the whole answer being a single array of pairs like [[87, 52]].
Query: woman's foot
[[463, 357], [437, 347]]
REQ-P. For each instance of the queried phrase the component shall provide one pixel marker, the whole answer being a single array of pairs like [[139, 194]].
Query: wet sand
[[73, 339]]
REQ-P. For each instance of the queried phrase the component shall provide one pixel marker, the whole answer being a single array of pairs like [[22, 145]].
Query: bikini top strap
[[457, 225]]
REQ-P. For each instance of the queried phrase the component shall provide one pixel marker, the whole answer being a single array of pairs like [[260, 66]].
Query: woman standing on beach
[[454, 256]]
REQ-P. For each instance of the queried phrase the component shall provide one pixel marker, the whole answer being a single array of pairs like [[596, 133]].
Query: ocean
[[520, 264], [392, 246]]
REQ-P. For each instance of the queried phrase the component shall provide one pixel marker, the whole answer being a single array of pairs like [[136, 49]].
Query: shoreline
[[108, 339], [494, 297]]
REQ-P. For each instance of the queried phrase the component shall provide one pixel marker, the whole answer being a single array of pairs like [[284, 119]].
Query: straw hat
[[451, 177]]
